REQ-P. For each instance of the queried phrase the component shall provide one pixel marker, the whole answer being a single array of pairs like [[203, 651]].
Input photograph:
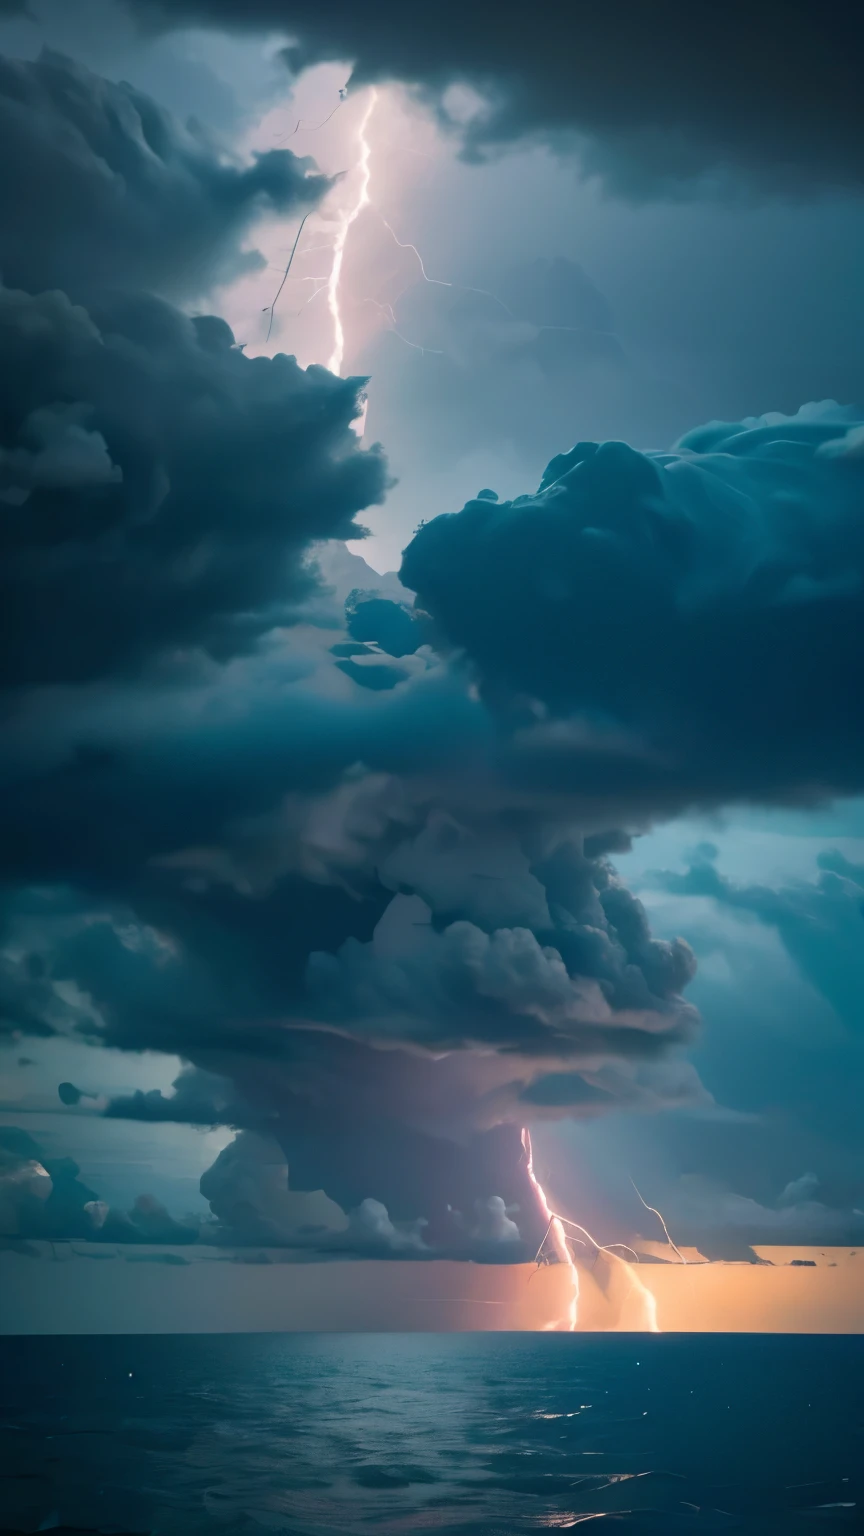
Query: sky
[[431, 484]]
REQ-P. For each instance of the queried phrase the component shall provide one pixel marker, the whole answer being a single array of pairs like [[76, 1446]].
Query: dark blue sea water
[[492, 1433]]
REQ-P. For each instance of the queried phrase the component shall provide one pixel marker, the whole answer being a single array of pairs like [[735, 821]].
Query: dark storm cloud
[[390, 966], [266, 1190], [101, 188], [365, 1111], [684, 627], [585, 982], [246, 882], [198, 1098], [253, 1200], [249, 1194], [357, 898], [662, 96], [477, 947], [220, 798], [160, 488], [390, 625]]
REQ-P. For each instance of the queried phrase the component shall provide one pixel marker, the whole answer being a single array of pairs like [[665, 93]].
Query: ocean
[[463, 1433]]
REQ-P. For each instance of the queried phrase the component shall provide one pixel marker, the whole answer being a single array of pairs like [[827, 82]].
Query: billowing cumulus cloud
[[382, 926], [374, 922], [464, 985], [665, 622], [373, 1228], [127, 197], [160, 488], [661, 98], [494, 1222]]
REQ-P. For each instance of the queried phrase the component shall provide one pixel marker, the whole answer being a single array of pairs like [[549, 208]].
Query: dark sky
[[561, 829]]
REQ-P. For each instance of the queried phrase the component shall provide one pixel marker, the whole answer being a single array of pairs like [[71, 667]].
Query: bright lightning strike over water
[[555, 1234], [349, 215], [557, 1239], [647, 1300], [654, 1212]]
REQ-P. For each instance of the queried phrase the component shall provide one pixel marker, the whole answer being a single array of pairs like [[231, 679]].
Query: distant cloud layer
[[44, 1197], [664, 98], [821, 923]]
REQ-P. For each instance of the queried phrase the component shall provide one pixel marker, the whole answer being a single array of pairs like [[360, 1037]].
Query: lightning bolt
[[347, 218], [556, 1235], [648, 1300], [389, 314], [557, 1238], [600, 1247], [655, 1212], [440, 282], [349, 215]]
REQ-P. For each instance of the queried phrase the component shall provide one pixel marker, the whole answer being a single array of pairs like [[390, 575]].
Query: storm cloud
[[100, 188], [350, 856], [683, 627], [365, 923], [160, 488], [384, 926], [662, 99]]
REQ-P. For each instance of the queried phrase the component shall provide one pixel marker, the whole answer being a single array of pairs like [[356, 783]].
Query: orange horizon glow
[[213, 1290]]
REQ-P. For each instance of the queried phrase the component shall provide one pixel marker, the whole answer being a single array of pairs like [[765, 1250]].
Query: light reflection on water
[[494, 1433]]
